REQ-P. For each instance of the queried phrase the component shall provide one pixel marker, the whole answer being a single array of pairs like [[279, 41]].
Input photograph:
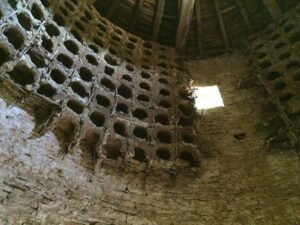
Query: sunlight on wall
[[208, 97]]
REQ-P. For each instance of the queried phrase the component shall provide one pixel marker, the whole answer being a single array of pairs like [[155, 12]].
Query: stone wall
[[240, 183]]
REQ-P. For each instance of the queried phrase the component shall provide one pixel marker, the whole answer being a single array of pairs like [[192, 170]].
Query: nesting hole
[[37, 12], [284, 55], [139, 155], [165, 104], [113, 151], [125, 91], [187, 138], [143, 98], [47, 90], [145, 86], [293, 65], [129, 68], [97, 118], [22, 75], [120, 128], [163, 154], [164, 92], [164, 137], [92, 60], [71, 46], [86, 74], [140, 114], [52, 30], [59, 20], [76, 35], [4, 55], [265, 64], [37, 58], [141, 132], [15, 37], [274, 75], [65, 60], [103, 101], [185, 121], [58, 76], [109, 71], [127, 77], [279, 86], [295, 37], [123, 108], [47, 44], [162, 119], [110, 60], [108, 84], [163, 81], [75, 106], [145, 75], [286, 97], [188, 157], [25, 21], [79, 89]]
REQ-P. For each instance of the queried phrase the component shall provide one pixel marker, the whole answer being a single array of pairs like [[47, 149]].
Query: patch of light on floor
[[208, 97]]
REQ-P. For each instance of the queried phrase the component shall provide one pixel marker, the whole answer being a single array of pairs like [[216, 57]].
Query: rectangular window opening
[[208, 97]]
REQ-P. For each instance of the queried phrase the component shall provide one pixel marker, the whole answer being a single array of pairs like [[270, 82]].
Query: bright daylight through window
[[208, 97]]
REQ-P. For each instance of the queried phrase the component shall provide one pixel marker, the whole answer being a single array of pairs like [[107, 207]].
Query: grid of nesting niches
[[118, 111], [277, 53]]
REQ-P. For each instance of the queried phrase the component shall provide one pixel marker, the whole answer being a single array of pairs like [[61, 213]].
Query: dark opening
[[4, 55], [65, 131], [94, 48], [98, 42], [109, 71], [188, 157], [240, 136], [163, 81], [163, 154], [86, 74], [113, 151], [92, 60], [293, 65], [123, 108], [79, 89], [45, 3], [15, 37], [129, 68], [127, 77], [140, 113], [52, 30], [25, 21], [125, 91], [163, 65], [58, 76], [71, 46], [164, 104], [280, 45], [265, 64], [47, 90], [274, 75], [286, 97], [130, 46], [288, 28], [108, 84], [59, 20], [284, 55], [297, 77], [47, 44], [65, 60], [185, 121], [111, 60], [164, 137], [295, 37], [37, 58], [13, 3], [76, 35], [143, 98], [69, 5], [140, 132], [120, 129], [162, 118], [37, 12], [186, 109], [187, 138], [280, 85], [75, 106], [145, 75], [97, 118], [164, 92], [22, 75], [261, 55], [139, 155], [103, 101], [145, 86], [90, 143]]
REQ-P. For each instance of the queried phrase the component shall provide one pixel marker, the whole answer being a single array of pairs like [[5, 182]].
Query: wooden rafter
[[112, 10], [222, 25], [158, 18], [244, 14], [186, 13], [199, 25], [135, 13], [273, 9]]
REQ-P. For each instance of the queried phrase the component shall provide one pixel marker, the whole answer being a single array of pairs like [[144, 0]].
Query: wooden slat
[[244, 14], [112, 10], [186, 13], [273, 9], [158, 18], [199, 25], [222, 25], [135, 13]]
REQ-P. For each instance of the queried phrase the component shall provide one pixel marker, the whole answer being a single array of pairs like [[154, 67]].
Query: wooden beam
[[135, 13], [112, 10], [199, 25], [186, 14], [222, 25], [158, 18], [244, 14], [273, 9]]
